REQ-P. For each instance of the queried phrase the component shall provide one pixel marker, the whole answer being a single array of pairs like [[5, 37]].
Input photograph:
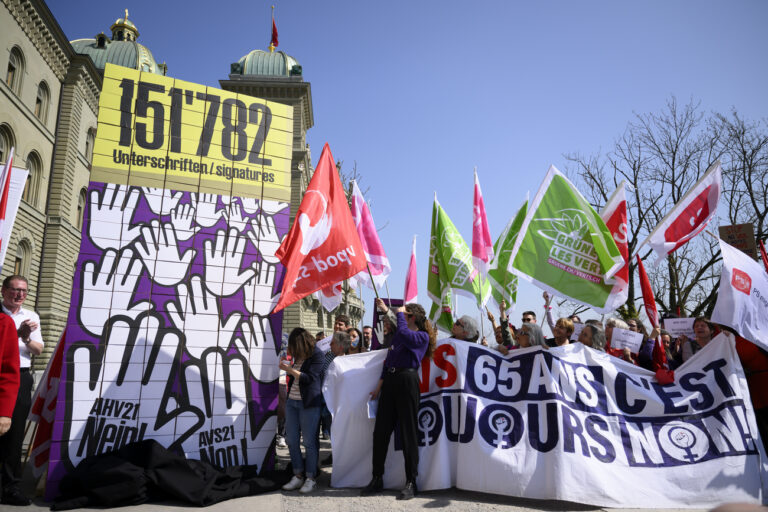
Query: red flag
[[649, 301], [322, 248], [614, 215], [689, 216], [44, 409], [763, 255], [273, 42]]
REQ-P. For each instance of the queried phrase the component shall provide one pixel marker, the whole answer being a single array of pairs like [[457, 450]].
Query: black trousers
[[12, 441], [398, 405]]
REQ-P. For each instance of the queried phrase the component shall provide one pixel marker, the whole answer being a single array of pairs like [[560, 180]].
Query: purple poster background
[[169, 335]]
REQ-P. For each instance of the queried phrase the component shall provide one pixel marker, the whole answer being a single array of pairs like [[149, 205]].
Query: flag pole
[[372, 283]]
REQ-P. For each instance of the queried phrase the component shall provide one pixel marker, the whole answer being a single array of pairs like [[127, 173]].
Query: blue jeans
[[303, 422]]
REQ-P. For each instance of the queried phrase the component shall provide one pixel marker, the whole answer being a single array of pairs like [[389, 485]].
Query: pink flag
[[614, 215], [374, 251], [5, 182], [482, 246], [411, 285], [689, 216]]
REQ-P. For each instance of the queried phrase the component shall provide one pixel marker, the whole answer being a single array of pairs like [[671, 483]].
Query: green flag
[[503, 282], [450, 264], [564, 246], [442, 314]]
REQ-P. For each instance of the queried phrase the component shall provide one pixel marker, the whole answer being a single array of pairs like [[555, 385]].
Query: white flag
[[742, 300]]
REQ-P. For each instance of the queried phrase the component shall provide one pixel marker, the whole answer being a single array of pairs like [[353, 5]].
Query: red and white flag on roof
[[378, 263], [322, 247], [411, 285], [689, 216], [482, 245], [614, 215]]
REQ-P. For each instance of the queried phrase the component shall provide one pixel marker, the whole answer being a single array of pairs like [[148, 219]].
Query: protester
[[367, 337], [398, 395], [303, 408], [703, 331], [503, 332], [592, 336], [356, 341], [30, 342], [561, 333], [673, 349], [594, 321], [531, 335], [548, 313], [618, 323], [319, 336], [529, 316], [9, 373], [465, 328]]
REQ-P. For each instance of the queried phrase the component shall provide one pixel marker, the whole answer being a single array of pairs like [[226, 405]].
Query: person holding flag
[[398, 395]]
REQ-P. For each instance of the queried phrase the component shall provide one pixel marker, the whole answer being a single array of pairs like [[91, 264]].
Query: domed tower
[[277, 76], [121, 49]]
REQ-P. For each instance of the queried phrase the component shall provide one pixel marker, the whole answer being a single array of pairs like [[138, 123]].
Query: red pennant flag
[[322, 248], [649, 301], [273, 42]]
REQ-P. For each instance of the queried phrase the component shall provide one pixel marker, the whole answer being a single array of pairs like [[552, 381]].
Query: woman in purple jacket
[[399, 396]]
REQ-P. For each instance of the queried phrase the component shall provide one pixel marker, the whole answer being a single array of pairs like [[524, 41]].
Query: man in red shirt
[[9, 371]]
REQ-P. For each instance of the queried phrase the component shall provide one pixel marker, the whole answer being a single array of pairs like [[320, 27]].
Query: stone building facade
[[48, 112]]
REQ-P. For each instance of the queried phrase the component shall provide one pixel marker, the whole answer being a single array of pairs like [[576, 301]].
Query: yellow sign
[[156, 131]]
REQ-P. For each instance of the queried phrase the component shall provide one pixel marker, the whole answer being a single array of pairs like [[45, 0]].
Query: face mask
[[356, 342]]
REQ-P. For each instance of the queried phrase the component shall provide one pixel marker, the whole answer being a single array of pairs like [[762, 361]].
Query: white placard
[[576, 331], [679, 326], [325, 343], [622, 338]]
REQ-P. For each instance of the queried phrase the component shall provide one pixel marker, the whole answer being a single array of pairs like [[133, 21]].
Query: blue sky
[[418, 93]]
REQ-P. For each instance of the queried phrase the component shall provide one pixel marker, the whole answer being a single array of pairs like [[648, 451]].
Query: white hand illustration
[[109, 225], [218, 384], [182, 217], [161, 200], [133, 361], [263, 235], [257, 346], [108, 290], [258, 290], [234, 216], [161, 256], [222, 263], [271, 207], [198, 316], [206, 214], [250, 204]]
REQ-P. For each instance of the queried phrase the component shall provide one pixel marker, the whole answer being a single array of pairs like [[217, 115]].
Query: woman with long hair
[[398, 394], [303, 407]]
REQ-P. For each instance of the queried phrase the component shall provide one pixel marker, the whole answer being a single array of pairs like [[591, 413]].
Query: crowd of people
[[409, 337]]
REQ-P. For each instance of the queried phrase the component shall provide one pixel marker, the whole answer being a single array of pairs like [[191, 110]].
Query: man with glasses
[[529, 316], [15, 290]]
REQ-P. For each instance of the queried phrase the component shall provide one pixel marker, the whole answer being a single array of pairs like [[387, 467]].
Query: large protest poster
[[169, 335], [568, 423]]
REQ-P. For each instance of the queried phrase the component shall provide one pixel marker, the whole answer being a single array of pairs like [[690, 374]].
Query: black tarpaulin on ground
[[146, 472]]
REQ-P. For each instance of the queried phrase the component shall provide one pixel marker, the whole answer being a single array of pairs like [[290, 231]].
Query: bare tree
[[662, 155]]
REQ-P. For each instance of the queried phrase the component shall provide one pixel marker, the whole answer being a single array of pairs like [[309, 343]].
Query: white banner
[[568, 423], [18, 179], [742, 299]]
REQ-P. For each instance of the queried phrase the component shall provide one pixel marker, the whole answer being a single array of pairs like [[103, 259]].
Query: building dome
[[121, 49], [264, 63]]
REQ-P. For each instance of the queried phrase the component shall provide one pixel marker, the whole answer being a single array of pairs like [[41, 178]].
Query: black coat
[[310, 382]]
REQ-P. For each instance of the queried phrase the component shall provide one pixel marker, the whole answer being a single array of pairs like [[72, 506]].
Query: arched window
[[35, 168], [81, 208], [89, 140], [15, 71], [6, 142], [21, 262], [42, 101]]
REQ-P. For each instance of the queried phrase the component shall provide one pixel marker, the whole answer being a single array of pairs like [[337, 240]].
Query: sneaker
[[294, 484], [309, 486], [281, 442]]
